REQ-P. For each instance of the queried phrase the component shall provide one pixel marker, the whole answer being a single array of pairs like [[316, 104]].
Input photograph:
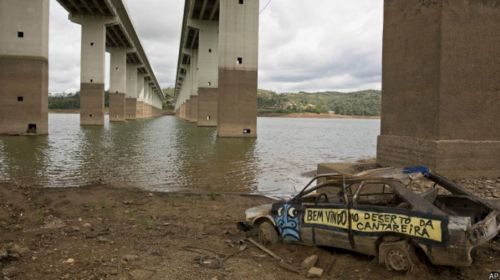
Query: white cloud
[[304, 45]]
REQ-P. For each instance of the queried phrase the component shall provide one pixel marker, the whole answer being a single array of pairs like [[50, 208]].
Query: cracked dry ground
[[108, 232]]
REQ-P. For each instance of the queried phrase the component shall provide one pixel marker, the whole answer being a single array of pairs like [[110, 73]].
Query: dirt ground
[[108, 232]]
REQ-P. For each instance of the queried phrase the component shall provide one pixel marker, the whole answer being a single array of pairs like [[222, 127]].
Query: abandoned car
[[376, 213]]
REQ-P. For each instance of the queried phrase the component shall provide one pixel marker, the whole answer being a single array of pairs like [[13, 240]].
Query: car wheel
[[397, 256], [268, 233]]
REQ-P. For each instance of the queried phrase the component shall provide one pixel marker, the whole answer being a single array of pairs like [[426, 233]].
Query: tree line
[[359, 103]]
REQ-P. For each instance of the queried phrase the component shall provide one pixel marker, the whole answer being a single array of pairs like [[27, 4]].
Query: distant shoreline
[[264, 115], [77, 111], [314, 116]]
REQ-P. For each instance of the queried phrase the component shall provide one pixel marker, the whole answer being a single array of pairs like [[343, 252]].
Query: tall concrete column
[[441, 100], [93, 51], [131, 97], [118, 84], [238, 65], [185, 94], [208, 74], [193, 99], [147, 100], [188, 110], [183, 111], [24, 42], [140, 95]]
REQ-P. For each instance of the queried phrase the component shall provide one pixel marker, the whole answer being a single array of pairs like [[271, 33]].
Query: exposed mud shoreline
[[110, 232]]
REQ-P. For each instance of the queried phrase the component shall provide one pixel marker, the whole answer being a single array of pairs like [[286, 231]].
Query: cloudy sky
[[304, 45]]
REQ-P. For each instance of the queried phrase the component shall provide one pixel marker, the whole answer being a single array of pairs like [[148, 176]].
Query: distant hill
[[359, 103]]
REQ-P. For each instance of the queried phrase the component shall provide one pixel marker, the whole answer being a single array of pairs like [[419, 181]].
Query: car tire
[[397, 256], [268, 233]]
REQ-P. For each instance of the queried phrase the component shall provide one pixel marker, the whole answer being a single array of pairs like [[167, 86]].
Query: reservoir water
[[169, 154]]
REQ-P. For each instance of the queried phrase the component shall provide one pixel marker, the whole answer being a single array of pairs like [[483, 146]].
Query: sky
[[328, 45]]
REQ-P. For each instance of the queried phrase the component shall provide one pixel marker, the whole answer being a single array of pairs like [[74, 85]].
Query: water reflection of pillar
[[24, 160], [113, 154], [208, 163], [93, 150]]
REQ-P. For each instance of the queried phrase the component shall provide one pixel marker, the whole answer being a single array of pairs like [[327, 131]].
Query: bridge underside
[[24, 62]]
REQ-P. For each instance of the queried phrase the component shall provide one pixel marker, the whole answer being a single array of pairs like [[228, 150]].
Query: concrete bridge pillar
[[183, 111], [24, 41], [194, 109], [208, 71], [186, 93], [146, 97], [118, 84], [441, 99], [188, 110], [147, 100], [238, 64], [193, 94], [140, 95], [93, 52], [131, 98]]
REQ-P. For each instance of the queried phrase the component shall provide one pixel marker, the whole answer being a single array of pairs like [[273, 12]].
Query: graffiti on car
[[364, 221]]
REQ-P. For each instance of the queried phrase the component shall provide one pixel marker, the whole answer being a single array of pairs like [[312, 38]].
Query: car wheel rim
[[397, 260]]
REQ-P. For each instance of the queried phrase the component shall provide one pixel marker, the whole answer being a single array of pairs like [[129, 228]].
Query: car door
[[374, 213], [325, 222]]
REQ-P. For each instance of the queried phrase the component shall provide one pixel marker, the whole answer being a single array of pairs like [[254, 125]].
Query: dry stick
[[330, 266], [281, 263], [269, 252]]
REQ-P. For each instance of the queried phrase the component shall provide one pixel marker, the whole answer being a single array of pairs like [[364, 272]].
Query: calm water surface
[[169, 154]]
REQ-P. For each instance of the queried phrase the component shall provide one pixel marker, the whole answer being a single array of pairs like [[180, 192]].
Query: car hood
[[252, 214]]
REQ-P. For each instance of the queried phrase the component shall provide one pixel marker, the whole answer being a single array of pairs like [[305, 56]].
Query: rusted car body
[[376, 213]]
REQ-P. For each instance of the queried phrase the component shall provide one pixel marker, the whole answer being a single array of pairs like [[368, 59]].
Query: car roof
[[419, 203]]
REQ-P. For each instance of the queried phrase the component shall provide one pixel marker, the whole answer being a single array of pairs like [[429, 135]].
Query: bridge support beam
[[131, 99], [24, 37], [118, 84], [238, 64], [440, 102]]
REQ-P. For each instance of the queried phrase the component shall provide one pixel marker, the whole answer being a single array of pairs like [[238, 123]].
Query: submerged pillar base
[[452, 158], [131, 108], [207, 106], [237, 106], [193, 111], [91, 104], [23, 95], [117, 107], [139, 112]]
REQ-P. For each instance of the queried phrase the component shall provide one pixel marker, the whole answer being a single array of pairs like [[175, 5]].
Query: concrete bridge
[[106, 26], [216, 82], [441, 83]]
